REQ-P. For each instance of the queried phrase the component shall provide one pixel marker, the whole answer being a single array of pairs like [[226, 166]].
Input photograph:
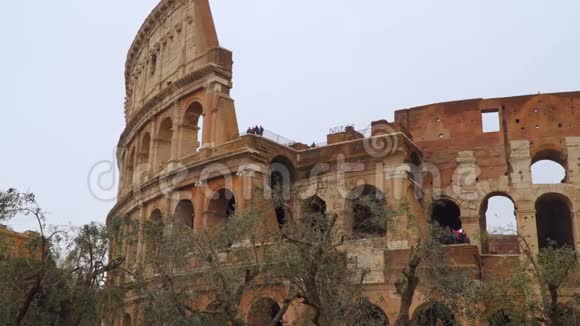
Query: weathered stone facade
[[182, 144], [18, 245]]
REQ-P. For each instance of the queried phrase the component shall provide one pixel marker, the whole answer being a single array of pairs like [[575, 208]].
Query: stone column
[[520, 162], [466, 191], [527, 228], [573, 150]]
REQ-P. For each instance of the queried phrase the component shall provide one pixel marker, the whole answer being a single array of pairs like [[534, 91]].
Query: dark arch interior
[[434, 314], [127, 320], [315, 213], [131, 165], [554, 221], [368, 204], [263, 312], [447, 214], [156, 216], [145, 149], [221, 206], [164, 141], [281, 179], [184, 213], [371, 315], [501, 318]]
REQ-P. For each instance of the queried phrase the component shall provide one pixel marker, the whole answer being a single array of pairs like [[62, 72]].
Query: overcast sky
[[301, 67]]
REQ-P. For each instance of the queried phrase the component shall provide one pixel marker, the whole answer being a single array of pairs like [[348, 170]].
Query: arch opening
[[554, 221], [144, 153], [368, 209], [499, 225], [446, 215], [548, 167], [164, 141], [127, 320], [280, 181], [222, 206], [191, 130], [434, 314], [156, 216], [370, 314], [154, 233], [314, 213], [263, 312], [130, 167], [501, 318], [184, 213]]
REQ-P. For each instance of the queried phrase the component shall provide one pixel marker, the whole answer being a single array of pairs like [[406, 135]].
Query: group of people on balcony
[[257, 130], [451, 237]]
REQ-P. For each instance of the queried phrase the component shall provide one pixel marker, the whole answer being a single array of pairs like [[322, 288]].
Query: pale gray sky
[[301, 67]]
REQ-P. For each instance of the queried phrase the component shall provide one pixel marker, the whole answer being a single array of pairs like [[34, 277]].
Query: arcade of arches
[[181, 120]]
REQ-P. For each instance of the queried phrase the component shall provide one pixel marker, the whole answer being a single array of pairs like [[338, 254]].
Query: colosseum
[[441, 160]]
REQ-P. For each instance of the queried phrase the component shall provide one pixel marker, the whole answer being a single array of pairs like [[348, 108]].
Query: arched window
[[191, 134], [127, 320], [554, 221], [368, 208], [314, 213], [222, 206], [281, 180], [369, 314], [145, 150], [498, 220], [446, 215], [184, 213], [156, 216], [263, 312], [548, 167], [433, 314], [130, 167], [164, 142], [501, 318], [153, 234], [500, 215]]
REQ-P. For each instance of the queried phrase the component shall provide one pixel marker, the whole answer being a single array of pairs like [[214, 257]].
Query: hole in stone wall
[[221, 206], [554, 221], [548, 172], [500, 216], [184, 213], [447, 214], [263, 312], [434, 314], [314, 213], [490, 121], [368, 207]]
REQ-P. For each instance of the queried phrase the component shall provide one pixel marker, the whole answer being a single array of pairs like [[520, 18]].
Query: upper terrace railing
[[273, 137], [367, 133]]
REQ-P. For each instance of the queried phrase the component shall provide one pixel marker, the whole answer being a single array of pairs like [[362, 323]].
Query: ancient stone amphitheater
[[441, 160]]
